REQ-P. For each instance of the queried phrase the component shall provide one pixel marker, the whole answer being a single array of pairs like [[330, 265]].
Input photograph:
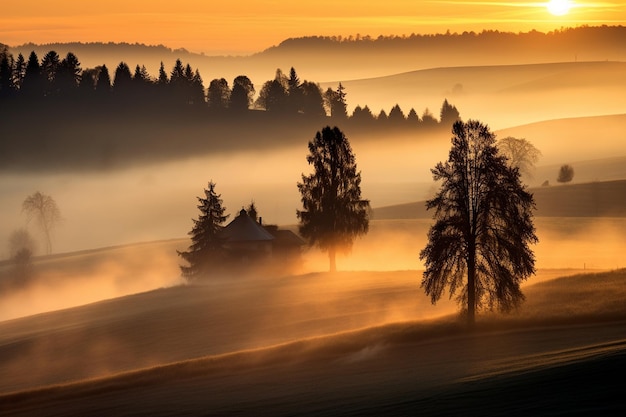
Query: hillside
[[285, 349], [362, 57], [500, 95], [595, 199]]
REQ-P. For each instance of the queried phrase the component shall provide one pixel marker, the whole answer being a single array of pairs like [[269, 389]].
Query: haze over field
[[106, 323]]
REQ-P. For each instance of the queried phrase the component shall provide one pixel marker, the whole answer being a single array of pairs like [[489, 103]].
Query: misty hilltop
[[366, 56]]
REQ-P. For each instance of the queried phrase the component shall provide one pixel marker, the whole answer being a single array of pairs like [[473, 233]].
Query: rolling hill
[[500, 95], [317, 344], [595, 199], [362, 56]]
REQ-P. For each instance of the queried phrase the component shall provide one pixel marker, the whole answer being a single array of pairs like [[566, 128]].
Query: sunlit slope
[[594, 199], [570, 330], [186, 322], [499, 95], [572, 139], [77, 278]]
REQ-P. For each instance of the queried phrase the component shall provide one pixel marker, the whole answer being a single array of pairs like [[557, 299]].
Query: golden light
[[559, 7]]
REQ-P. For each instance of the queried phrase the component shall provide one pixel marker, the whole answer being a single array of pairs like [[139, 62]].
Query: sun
[[559, 7]]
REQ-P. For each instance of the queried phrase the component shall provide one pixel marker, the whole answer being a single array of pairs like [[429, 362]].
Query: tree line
[[61, 81]]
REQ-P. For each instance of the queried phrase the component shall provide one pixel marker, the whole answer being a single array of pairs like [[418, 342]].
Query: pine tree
[[69, 75], [205, 252], [449, 114], [103, 83], [294, 92], [6, 74], [50, 64], [334, 212], [33, 83]]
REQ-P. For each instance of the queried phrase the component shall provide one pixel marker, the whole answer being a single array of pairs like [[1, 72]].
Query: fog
[[566, 245], [158, 201], [501, 96]]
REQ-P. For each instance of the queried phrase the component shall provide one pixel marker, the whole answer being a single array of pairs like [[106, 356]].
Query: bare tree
[[521, 154], [46, 213]]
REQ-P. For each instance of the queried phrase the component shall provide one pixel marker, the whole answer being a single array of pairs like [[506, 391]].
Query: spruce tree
[[205, 253], [334, 212]]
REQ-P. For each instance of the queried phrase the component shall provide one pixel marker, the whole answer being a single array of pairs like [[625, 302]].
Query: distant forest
[[62, 82], [610, 37], [53, 103]]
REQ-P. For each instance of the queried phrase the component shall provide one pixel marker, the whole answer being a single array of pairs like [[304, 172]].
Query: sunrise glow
[[251, 26], [559, 7]]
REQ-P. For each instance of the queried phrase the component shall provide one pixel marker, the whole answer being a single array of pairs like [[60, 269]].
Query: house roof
[[287, 238], [245, 229]]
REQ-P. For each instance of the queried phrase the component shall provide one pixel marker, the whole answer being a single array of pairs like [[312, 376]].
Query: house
[[247, 240]]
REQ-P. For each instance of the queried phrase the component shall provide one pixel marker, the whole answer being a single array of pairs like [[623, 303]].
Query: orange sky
[[246, 26]]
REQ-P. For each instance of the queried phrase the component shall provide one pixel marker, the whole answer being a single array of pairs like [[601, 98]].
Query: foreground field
[[347, 344]]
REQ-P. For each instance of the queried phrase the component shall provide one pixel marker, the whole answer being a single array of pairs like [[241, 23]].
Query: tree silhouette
[[33, 83], [46, 213], [241, 95], [49, 67], [19, 70], [294, 92], [566, 174], [122, 81], [396, 115], [274, 94], [312, 100], [21, 250], [334, 212], [483, 226], [336, 102], [196, 87], [521, 154], [428, 120], [7, 86], [205, 252], [103, 82], [362, 115], [69, 75], [218, 94], [413, 118], [449, 114]]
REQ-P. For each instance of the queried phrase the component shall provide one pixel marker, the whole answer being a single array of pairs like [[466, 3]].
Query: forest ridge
[[57, 92], [362, 56]]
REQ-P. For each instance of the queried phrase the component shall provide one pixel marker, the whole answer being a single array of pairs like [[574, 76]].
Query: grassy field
[[115, 330], [353, 343]]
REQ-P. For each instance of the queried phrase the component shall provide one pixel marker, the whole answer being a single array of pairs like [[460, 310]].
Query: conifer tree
[[6, 74], [205, 253], [103, 82], [69, 75], [33, 84], [333, 211]]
